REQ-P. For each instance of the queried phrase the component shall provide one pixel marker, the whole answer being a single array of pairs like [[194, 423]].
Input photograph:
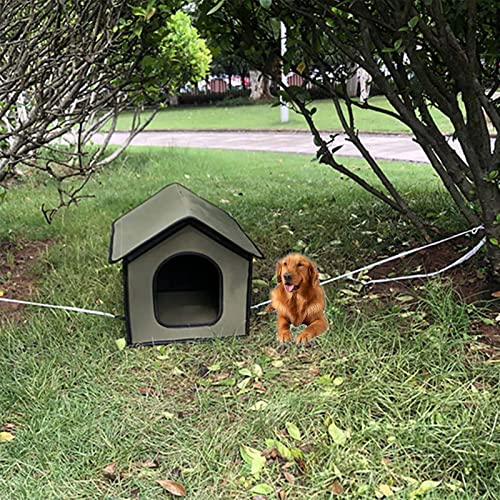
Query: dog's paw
[[285, 336], [303, 338]]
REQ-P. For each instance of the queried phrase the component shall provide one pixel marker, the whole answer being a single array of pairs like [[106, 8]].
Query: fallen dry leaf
[[146, 391], [259, 387], [6, 436], [301, 465], [386, 490], [259, 405], [272, 353], [314, 370], [270, 453], [306, 447], [172, 487], [176, 472], [110, 472], [336, 488], [290, 478], [149, 464], [496, 294], [282, 494]]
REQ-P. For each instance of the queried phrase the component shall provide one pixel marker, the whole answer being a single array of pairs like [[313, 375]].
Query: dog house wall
[[144, 327], [175, 222]]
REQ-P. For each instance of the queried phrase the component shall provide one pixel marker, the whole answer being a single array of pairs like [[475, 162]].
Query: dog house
[[187, 269]]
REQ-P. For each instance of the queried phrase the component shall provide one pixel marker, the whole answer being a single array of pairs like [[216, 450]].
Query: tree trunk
[[259, 86], [365, 81], [489, 197], [493, 252]]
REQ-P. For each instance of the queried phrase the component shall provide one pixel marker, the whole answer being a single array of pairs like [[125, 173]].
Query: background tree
[[68, 68], [228, 64], [224, 43], [421, 55]]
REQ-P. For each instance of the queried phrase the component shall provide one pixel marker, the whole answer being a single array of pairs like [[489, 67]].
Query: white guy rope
[[66, 308], [349, 274], [459, 261]]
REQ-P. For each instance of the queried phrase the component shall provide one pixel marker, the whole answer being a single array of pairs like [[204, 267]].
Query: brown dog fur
[[305, 304]]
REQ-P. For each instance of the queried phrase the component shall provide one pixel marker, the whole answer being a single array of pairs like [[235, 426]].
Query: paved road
[[383, 147]]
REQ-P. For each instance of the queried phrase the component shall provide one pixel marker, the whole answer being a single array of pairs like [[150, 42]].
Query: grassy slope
[[408, 396], [265, 116]]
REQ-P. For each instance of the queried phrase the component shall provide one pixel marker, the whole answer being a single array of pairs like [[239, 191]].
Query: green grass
[[263, 116], [415, 401]]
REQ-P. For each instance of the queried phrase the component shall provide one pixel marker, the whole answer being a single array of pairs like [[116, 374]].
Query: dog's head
[[295, 271]]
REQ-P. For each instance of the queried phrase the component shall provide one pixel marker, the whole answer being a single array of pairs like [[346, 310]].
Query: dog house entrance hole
[[188, 291]]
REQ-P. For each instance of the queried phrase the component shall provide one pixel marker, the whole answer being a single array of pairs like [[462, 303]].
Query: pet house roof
[[170, 208]]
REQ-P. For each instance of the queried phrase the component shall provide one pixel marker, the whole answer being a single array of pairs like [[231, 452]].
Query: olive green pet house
[[187, 269]]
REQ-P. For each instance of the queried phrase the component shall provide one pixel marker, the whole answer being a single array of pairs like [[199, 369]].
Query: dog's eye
[[285, 264], [300, 264]]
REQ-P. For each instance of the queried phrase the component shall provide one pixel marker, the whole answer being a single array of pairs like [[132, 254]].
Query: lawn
[[395, 398], [264, 116]]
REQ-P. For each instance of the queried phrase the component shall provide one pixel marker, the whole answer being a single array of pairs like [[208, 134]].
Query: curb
[[387, 133], [264, 130]]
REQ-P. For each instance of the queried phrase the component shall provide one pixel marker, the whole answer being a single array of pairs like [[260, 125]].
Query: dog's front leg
[[313, 330], [284, 333]]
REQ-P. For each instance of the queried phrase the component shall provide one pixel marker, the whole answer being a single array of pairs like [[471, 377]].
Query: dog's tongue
[[289, 288]]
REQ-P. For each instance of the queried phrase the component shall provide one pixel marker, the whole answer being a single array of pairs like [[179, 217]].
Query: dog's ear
[[313, 274], [278, 271]]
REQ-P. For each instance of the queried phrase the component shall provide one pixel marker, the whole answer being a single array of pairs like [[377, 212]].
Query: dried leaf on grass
[[259, 387], [336, 488], [301, 465], [146, 391], [282, 494], [110, 472], [173, 487], [149, 464], [259, 405], [6, 436], [386, 490]]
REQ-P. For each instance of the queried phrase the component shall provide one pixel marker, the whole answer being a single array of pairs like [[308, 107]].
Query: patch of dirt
[[17, 279], [469, 279], [489, 336]]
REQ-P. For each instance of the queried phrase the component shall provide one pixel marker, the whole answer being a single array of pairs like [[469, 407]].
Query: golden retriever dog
[[298, 299]]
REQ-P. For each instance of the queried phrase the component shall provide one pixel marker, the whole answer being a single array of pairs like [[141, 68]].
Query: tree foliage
[[421, 54], [68, 67]]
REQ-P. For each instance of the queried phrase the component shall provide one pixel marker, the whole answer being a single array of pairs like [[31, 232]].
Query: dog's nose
[[287, 276]]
